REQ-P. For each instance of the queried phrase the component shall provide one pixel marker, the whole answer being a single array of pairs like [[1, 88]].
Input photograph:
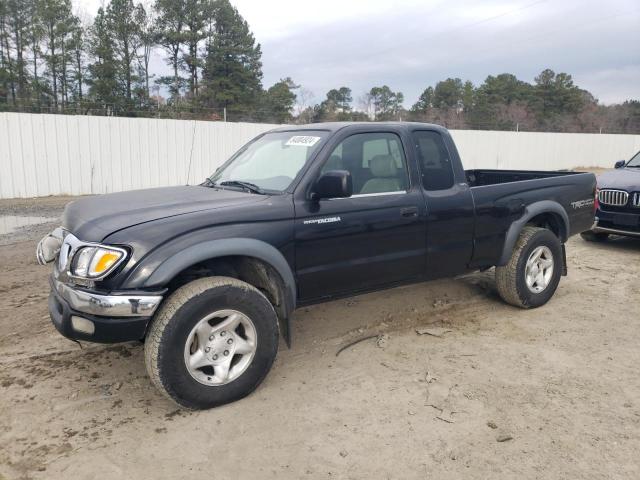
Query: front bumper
[[83, 315], [617, 223]]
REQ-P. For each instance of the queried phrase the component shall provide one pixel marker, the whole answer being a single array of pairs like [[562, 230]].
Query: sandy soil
[[489, 391]]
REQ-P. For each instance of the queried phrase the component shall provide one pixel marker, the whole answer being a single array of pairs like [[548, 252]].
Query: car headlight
[[96, 262]]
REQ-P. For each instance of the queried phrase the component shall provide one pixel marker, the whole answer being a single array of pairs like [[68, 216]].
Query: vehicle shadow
[[451, 303], [618, 243]]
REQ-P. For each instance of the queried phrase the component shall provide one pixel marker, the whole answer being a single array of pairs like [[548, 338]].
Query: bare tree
[[304, 99], [148, 39]]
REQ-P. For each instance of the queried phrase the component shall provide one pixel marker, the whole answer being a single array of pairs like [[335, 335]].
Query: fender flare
[[211, 249], [533, 210]]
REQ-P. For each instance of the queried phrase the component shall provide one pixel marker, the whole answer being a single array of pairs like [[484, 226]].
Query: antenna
[[193, 139]]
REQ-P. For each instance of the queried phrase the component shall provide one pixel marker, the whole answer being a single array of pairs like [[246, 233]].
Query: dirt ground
[[489, 391]]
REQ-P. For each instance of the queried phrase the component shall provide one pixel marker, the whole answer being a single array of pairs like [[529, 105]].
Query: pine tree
[[232, 74], [170, 24], [124, 19], [55, 15], [448, 93], [65, 82], [19, 14], [386, 103], [278, 101], [556, 94], [339, 99], [425, 102], [103, 86], [468, 96], [197, 16], [77, 46], [7, 79]]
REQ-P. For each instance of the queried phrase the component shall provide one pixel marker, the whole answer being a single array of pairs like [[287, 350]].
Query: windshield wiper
[[252, 187]]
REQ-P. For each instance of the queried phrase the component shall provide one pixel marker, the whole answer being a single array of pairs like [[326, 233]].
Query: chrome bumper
[[107, 305]]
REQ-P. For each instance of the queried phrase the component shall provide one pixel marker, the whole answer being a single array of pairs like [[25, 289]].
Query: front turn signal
[[95, 262]]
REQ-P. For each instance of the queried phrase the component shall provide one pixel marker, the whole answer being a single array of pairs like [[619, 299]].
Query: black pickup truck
[[209, 275]]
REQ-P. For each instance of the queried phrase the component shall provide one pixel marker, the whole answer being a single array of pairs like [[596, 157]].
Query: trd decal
[[583, 203]]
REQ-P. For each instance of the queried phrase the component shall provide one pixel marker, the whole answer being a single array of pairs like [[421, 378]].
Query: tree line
[[502, 102], [53, 60]]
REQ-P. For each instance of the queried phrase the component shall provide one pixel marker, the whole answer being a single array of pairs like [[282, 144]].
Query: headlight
[[95, 262]]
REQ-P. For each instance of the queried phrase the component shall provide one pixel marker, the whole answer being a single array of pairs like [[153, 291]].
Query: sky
[[412, 44]]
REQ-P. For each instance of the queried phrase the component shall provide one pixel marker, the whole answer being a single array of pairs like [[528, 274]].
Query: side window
[[435, 164], [376, 162]]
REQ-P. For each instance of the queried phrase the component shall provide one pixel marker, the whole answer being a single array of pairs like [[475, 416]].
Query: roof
[[335, 126]]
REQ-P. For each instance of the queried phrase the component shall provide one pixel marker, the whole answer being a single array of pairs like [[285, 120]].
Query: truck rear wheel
[[212, 342], [532, 275]]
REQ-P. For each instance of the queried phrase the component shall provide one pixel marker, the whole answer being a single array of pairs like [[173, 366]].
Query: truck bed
[[480, 178], [502, 197]]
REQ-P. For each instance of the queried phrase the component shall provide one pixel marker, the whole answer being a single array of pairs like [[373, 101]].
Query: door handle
[[409, 212]]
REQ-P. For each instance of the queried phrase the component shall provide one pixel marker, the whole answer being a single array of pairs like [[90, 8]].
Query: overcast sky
[[411, 44]]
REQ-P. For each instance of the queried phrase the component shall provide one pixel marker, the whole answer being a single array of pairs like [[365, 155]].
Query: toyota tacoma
[[208, 275]]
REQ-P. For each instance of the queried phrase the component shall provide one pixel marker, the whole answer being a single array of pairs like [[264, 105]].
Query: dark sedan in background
[[618, 202]]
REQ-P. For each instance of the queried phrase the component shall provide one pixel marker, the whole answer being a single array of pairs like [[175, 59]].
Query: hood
[[621, 179], [94, 218]]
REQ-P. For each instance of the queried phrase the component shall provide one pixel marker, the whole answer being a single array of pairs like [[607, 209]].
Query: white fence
[[542, 151], [43, 155]]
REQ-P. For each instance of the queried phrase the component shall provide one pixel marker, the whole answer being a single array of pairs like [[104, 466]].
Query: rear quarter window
[[435, 163]]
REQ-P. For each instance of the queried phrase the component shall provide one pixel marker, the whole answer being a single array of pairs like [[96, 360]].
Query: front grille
[[636, 199], [615, 198]]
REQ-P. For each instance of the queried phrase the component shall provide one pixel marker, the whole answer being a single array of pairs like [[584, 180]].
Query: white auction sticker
[[302, 141]]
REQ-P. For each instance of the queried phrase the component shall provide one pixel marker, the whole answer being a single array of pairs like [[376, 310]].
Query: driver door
[[375, 237]]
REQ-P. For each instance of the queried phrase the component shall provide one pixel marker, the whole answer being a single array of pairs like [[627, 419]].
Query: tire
[[591, 236], [511, 279], [184, 316]]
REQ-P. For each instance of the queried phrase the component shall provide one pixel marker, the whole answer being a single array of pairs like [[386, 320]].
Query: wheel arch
[[252, 261], [547, 214]]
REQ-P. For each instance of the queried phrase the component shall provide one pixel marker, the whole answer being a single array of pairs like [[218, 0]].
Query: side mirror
[[620, 164], [333, 184]]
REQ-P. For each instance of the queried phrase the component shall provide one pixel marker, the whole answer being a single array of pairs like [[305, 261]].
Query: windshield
[[635, 161], [272, 161]]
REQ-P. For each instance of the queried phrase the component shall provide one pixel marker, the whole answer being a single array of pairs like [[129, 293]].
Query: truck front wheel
[[212, 342], [532, 275]]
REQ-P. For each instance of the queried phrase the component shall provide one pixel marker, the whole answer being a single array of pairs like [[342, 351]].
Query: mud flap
[[285, 329], [564, 261]]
